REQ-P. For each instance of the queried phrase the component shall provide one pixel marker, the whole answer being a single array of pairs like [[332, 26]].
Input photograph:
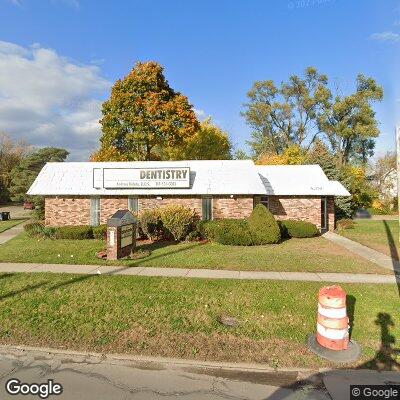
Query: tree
[[288, 114], [302, 110], [11, 153], [145, 116], [320, 154], [292, 155], [383, 177], [26, 172], [209, 143], [350, 124], [241, 155]]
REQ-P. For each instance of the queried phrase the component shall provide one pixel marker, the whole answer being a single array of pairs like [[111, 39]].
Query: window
[[133, 204], [95, 211], [207, 208], [264, 200]]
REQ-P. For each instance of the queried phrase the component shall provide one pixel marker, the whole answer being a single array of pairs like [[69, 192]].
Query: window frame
[[207, 204], [95, 211], [133, 204]]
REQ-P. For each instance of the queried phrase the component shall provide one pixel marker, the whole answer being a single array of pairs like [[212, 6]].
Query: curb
[[172, 363]]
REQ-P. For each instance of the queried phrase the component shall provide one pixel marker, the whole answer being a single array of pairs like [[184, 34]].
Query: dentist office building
[[88, 193]]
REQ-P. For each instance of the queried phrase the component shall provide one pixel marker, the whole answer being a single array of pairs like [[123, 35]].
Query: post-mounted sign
[[146, 178]]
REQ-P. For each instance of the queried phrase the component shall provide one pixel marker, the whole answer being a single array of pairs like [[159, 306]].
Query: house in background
[[88, 193]]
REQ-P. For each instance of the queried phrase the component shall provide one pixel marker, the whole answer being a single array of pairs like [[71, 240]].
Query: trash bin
[[5, 216]]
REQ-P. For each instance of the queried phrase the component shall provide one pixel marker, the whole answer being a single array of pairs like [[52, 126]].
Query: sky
[[59, 58]]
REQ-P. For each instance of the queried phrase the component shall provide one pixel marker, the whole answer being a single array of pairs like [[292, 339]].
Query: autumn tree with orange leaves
[[144, 117]]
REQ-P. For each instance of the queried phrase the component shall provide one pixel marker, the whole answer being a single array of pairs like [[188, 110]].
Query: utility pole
[[398, 174]]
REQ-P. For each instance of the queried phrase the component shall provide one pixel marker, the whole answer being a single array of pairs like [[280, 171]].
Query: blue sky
[[212, 51]]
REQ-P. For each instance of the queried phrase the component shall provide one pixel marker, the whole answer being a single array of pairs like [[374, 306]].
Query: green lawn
[[177, 317], [314, 254], [382, 236], [4, 225]]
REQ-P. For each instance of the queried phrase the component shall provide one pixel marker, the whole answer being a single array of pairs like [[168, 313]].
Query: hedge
[[34, 229], [297, 229], [100, 232], [263, 227], [79, 232], [233, 232]]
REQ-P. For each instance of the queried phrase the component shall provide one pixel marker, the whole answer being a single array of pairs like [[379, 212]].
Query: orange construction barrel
[[332, 321]]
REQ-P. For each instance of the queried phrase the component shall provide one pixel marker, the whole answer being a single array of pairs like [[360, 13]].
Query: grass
[[311, 255], [177, 317], [4, 225], [382, 235]]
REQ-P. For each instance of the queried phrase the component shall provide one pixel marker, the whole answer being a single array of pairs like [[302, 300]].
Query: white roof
[[294, 180], [212, 177]]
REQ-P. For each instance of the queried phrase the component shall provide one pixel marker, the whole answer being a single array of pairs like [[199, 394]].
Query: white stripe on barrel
[[332, 312], [333, 334]]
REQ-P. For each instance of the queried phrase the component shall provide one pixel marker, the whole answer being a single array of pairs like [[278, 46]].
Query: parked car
[[362, 213], [28, 205]]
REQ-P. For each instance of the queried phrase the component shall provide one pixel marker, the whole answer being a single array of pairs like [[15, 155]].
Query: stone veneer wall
[[61, 211], [292, 207], [331, 214], [236, 207], [110, 205], [76, 211]]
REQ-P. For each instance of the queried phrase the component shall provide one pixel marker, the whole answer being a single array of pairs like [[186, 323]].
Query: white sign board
[[146, 178]]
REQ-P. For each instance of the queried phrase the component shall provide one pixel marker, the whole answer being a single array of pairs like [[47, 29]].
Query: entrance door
[[324, 214]]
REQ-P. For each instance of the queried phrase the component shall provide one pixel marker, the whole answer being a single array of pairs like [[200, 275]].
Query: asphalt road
[[88, 377]]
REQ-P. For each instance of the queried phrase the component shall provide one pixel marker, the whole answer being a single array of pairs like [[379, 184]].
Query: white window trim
[[95, 211], [130, 199]]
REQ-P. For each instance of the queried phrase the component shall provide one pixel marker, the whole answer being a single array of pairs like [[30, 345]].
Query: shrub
[[345, 223], [233, 232], [79, 232], [100, 232], [150, 223], [34, 229], [178, 219], [193, 236], [263, 227], [298, 229], [200, 228]]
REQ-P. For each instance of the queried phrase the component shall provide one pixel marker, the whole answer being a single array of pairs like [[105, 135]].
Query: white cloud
[[48, 100], [386, 36]]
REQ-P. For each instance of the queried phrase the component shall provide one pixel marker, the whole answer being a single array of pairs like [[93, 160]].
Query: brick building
[[88, 193]]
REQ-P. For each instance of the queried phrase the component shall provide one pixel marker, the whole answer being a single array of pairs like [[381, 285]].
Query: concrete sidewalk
[[369, 254], [9, 234], [199, 273]]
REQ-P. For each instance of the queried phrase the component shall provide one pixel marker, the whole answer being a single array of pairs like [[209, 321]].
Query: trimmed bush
[[100, 232], [178, 220], [151, 224], [34, 229], [345, 223], [234, 232], [200, 228], [263, 227], [74, 232], [297, 229]]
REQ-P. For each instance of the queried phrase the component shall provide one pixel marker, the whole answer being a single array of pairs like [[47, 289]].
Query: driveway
[[17, 211]]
